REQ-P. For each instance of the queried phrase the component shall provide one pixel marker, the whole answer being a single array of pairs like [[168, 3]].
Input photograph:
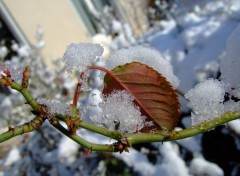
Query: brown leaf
[[152, 92]]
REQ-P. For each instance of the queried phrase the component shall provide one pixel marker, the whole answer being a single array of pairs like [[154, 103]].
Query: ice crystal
[[147, 56], [206, 100], [79, 56], [119, 113]]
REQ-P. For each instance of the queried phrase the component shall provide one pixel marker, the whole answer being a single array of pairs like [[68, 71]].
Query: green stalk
[[19, 130], [186, 133], [103, 131], [28, 97], [83, 142]]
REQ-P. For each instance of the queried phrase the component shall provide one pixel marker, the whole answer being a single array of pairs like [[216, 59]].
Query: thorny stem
[[21, 129], [128, 139], [26, 94], [83, 142], [186, 133], [112, 134], [103, 131]]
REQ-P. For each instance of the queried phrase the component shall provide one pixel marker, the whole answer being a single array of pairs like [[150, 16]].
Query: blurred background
[[191, 34]]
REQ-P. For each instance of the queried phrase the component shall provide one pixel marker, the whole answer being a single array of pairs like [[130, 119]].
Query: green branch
[[83, 142], [103, 131], [26, 94], [28, 97], [21, 129], [124, 140], [88, 126], [186, 133]]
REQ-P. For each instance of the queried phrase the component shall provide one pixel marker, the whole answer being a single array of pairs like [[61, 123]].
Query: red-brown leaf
[[152, 92]]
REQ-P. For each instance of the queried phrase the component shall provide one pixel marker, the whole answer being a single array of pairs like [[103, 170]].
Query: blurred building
[[66, 21]]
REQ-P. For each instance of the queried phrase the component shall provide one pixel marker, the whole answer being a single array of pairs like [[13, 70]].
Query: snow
[[119, 113], [199, 166], [54, 106], [230, 64], [234, 125], [194, 51], [12, 157], [206, 100], [3, 51], [191, 144], [170, 160], [79, 56], [146, 55], [67, 150], [15, 70]]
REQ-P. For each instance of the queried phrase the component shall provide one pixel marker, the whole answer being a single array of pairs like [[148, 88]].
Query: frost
[[206, 100], [147, 56], [54, 106], [79, 56], [119, 113]]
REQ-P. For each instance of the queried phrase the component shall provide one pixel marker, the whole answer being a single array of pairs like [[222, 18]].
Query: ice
[[119, 113], [206, 100], [147, 56], [54, 106], [79, 56]]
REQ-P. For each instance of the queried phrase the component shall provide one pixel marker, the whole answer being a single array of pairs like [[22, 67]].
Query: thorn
[[88, 151], [10, 128]]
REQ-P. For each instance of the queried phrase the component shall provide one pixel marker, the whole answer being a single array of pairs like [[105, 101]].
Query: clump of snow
[[16, 71], [67, 154], [3, 51], [119, 113], [234, 9], [230, 71], [79, 56], [54, 106], [147, 56], [170, 159], [199, 166], [206, 100], [234, 125]]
